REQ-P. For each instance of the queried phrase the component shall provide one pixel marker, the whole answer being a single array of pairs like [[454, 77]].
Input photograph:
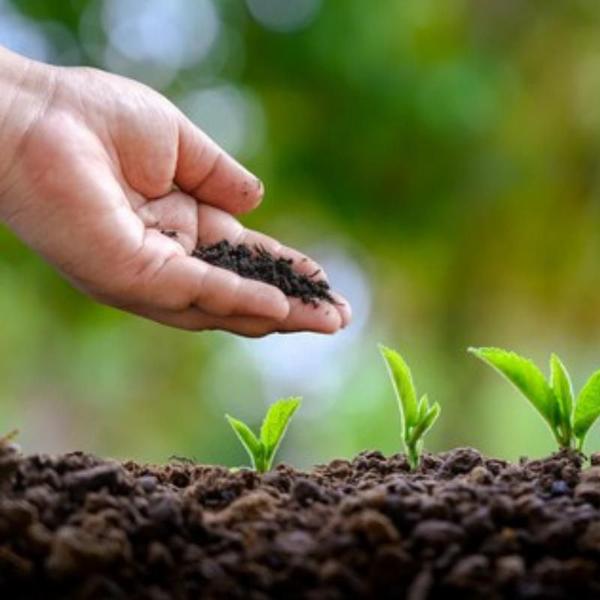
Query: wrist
[[26, 89]]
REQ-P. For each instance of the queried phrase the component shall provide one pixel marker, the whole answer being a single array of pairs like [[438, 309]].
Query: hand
[[99, 166]]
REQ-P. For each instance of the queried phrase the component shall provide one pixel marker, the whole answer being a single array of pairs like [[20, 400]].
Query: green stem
[[563, 437], [259, 462], [412, 453]]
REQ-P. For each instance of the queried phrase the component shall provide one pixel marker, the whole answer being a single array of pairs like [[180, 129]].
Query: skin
[[94, 167]]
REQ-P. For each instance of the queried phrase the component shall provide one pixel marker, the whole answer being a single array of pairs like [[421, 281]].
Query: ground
[[77, 526]]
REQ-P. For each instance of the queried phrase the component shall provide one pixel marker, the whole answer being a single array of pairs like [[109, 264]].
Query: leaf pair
[[417, 416], [262, 449], [569, 419]]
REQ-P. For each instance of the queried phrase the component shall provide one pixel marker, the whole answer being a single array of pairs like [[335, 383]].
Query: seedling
[[7, 438], [262, 449], [569, 419], [417, 417]]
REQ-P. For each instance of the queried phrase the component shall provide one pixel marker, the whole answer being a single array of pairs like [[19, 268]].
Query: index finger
[[204, 170]]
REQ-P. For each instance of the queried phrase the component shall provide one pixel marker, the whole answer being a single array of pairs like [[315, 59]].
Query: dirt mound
[[76, 526]]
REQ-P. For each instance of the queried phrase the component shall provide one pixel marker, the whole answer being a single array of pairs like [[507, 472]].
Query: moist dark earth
[[463, 526], [257, 263]]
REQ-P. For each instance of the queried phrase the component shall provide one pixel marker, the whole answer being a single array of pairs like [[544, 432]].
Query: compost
[[77, 526], [257, 263]]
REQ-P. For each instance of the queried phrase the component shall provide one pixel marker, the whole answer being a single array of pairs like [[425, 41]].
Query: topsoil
[[257, 263], [463, 526]]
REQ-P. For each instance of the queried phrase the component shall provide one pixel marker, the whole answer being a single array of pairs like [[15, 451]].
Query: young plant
[[569, 419], [417, 416], [7, 438], [262, 449]]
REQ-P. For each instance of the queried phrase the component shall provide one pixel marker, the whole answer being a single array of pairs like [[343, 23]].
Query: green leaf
[[426, 423], [251, 443], [7, 438], [563, 391], [275, 425], [526, 377], [587, 407], [422, 408], [403, 385]]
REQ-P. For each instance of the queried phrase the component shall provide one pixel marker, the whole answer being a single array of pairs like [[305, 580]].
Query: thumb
[[204, 170]]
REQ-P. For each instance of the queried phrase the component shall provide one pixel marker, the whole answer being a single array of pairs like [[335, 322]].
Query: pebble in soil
[[257, 263], [462, 526]]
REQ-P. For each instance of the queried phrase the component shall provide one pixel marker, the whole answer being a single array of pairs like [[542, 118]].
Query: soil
[[258, 263], [463, 526]]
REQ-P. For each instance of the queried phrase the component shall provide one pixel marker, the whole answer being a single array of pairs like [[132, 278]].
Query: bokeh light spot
[[315, 365], [22, 35], [284, 15], [177, 34], [229, 115]]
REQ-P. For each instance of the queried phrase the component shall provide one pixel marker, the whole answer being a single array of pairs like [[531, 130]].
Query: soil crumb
[[462, 526], [257, 263]]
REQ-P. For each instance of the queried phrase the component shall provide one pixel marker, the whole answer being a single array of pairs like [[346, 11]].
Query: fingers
[[208, 173], [321, 319], [343, 307], [193, 319], [215, 225], [183, 281]]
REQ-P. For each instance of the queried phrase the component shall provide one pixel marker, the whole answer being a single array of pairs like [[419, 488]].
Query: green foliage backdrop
[[441, 156]]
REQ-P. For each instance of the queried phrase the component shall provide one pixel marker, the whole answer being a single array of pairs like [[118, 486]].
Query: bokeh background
[[440, 157]]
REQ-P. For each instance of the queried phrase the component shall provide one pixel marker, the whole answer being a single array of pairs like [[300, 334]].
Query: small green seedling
[[262, 449], [8, 438], [569, 419], [417, 417]]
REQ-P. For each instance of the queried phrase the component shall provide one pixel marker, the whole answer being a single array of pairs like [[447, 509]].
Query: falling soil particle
[[257, 263], [462, 526]]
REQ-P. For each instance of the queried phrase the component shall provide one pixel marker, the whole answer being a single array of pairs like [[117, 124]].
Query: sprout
[[417, 417], [262, 450], [569, 420], [7, 438]]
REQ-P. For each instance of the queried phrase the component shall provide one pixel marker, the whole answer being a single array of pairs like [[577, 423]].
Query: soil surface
[[76, 526], [258, 263]]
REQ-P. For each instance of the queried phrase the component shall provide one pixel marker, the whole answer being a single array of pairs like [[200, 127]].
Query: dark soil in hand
[[258, 263], [76, 526]]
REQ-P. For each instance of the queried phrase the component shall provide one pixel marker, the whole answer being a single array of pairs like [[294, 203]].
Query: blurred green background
[[442, 158]]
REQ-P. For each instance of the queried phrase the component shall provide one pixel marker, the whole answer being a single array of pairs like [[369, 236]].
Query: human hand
[[99, 165]]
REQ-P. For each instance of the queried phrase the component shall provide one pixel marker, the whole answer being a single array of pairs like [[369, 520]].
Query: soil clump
[[257, 263]]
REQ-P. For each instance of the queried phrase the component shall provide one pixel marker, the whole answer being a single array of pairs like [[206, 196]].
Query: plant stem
[[261, 466], [412, 454], [564, 440]]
